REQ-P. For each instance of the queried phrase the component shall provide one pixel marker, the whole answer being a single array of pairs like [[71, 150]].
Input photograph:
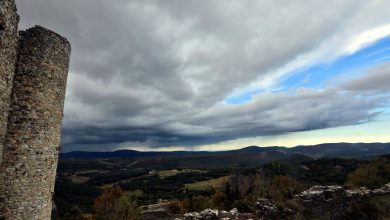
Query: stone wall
[[332, 202], [322, 202], [31, 116], [214, 214], [8, 52], [327, 201]]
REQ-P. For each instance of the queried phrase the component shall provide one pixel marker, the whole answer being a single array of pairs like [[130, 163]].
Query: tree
[[373, 175], [112, 204], [179, 206], [199, 203], [284, 187], [242, 191], [218, 200], [127, 209]]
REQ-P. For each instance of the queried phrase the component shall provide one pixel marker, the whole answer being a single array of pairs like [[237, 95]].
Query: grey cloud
[[157, 72], [376, 80], [276, 113], [269, 114]]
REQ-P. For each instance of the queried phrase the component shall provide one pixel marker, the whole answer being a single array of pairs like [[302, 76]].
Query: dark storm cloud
[[156, 73], [268, 114]]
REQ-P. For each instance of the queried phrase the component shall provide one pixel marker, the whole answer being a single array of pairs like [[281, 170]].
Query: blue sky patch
[[353, 65], [321, 75]]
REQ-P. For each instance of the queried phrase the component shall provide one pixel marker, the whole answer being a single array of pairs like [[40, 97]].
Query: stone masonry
[[324, 202], [33, 70], [8, 53], [332, 202]]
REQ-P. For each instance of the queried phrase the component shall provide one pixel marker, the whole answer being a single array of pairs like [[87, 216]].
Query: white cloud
[[366, 38]]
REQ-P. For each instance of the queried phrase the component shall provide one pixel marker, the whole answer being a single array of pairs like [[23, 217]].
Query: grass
[[78, 179], [135, 193], [108, 185], [208, 184], [167, 173]]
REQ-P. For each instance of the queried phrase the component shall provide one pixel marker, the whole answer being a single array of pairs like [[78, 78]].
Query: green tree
[[373, 175], [113, 204], [199, 203], [284, 187], [241, 192]]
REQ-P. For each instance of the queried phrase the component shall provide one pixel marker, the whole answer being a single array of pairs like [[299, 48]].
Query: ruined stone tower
[[33, 73], [8, 52]]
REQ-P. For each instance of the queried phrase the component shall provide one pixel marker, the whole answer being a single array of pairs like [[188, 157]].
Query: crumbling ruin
[[33, 73], [333, 201], [325, 202]]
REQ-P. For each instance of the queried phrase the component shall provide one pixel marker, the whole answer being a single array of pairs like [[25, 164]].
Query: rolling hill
[[346, 150]]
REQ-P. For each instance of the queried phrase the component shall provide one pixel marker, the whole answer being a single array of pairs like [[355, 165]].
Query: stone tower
[[34, 68], [8, 53]]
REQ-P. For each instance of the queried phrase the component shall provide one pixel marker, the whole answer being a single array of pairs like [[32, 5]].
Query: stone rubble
[[265, 208], [333, 201], [214, 214], [330, 201]]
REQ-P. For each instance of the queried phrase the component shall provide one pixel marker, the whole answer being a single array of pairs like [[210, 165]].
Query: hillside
[[347, 150], [220, 181]]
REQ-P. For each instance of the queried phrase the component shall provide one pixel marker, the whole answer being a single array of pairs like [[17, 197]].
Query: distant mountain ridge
[[351, 150]]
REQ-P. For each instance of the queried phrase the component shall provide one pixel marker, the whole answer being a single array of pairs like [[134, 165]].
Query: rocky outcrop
[[332, 202], [327, 202], [364, 192], [213, 214], [158, 211], [265, 209]]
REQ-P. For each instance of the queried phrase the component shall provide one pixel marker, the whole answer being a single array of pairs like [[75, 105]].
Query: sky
[[216, 75]]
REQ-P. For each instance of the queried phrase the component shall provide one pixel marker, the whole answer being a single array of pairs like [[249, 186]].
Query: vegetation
[[70, 197], [377, 207], [114, 204], [216, 183], [372, 175], [115, 187]]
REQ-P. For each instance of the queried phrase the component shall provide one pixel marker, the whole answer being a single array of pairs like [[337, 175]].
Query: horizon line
[[189, 150]]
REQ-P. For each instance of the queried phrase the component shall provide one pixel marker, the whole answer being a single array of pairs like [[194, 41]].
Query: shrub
[[218, 200], [284, 187], [178, 207], [199, 203], [112, 204], [372, 175]]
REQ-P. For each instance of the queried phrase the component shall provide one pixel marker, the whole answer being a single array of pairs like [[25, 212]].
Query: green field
[[216, 183], [167, 173]]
